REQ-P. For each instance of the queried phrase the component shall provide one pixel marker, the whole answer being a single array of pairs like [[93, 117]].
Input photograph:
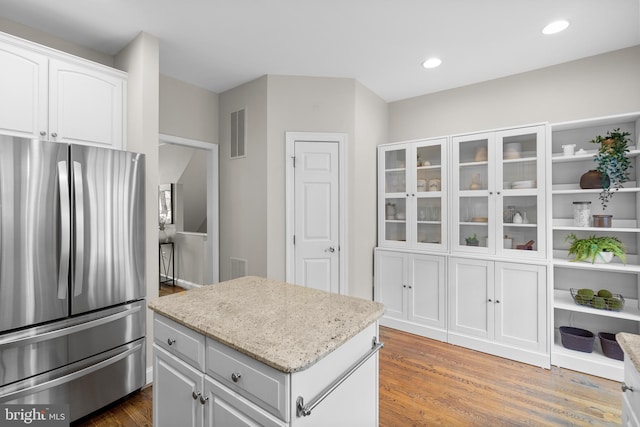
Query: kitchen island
[[254, 351]]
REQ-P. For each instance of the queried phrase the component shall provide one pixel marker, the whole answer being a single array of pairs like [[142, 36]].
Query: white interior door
[[316, 215]]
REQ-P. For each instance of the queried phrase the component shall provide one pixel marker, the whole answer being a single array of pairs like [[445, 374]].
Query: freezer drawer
[[40, 349], [87, 385]]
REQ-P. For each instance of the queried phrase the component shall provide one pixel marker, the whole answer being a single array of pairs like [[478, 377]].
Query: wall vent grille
[[238, 267], [238, 127]]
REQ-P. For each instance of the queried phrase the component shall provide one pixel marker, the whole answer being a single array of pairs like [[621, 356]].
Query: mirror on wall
[[165, 203]]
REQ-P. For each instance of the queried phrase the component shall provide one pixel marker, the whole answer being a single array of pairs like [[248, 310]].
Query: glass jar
[[581, 214]]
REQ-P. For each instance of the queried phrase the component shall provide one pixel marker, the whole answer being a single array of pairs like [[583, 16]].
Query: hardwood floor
[[429, 383]]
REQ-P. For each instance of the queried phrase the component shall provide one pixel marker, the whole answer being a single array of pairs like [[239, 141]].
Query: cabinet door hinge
[[294, 161]]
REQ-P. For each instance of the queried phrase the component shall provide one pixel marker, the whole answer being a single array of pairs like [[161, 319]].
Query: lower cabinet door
[[224, 408], [176, 392], [471, 297]]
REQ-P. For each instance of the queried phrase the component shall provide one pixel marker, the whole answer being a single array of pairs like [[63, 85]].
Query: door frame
[[213, 213], [321, 137]]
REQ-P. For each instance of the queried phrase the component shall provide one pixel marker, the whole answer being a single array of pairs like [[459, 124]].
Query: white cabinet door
[[85, 105], [391, 282], [471, 297], [521, 305], [177, 388], [225, 408], [427, 290], [23, 85]]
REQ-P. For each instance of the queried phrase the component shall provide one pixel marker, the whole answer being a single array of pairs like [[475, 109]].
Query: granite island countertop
[[285, 326], [630, 344]]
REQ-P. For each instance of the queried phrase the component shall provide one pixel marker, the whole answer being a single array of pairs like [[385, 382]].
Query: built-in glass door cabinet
[[619, 278], [498, 193], [412, 195]]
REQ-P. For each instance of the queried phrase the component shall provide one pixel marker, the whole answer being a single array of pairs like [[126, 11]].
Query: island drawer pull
[[235, 377], [303, 410], [626, 388]]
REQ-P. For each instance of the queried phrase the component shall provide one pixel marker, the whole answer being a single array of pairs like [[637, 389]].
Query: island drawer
[[179, 340], [265, 386]]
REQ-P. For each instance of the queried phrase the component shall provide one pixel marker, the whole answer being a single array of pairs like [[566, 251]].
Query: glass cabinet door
[[393, 162], [521, 178], [430, 195], [473, 207]]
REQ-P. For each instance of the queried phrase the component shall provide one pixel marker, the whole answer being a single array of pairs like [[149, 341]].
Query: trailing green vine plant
[[612, 162]]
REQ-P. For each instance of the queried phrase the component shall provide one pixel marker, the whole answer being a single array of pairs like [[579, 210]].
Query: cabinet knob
[[625, 387], [235, 377], [54, 135], [42, 133], [203, 399], [410, 287], [490, 300], [497, 301], [195, 395], [171, 341]]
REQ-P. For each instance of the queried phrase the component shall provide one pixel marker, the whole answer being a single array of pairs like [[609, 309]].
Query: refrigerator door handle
[[79, 220], [65, 229]]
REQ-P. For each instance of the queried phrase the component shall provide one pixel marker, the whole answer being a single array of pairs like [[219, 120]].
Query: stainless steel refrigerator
[[72, 274]]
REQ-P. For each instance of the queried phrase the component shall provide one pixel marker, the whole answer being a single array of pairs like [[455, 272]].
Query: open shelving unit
[[623, 279]]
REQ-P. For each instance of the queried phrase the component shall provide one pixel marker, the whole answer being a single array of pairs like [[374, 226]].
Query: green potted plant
[[599, 249], [472, 240], [613, 162]]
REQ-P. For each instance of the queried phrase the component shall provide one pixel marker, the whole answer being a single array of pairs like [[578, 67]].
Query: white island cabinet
[[630, 344], [254, 351]]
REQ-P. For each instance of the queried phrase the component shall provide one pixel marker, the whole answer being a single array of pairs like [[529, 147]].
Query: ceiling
[[220, 44]]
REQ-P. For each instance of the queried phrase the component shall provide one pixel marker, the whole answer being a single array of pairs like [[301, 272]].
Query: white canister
[[567, 149], [434, 184], [581, 214]]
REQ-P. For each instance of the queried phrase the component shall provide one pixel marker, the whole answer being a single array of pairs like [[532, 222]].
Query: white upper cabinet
[[57, 97], [498, 193], [23, 85], [412, 195], [85, 105]]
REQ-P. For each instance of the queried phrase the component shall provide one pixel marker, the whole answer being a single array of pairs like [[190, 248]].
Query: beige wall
[[53, 42], [140, 58], [188, 111], [298, 104], [243, 182], [371, 114], [601, 85]]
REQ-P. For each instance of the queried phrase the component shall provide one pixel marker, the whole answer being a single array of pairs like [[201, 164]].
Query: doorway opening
[[191, 168]]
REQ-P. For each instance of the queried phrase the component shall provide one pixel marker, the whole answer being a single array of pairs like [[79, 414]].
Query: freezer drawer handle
[[303, 410], [70, 377], [126, 311]]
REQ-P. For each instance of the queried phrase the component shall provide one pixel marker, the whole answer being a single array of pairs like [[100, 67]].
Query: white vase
[[604, 258]]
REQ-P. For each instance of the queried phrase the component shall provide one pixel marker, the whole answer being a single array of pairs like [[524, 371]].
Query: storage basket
[[610, 346], [615, 303], [577, 339]]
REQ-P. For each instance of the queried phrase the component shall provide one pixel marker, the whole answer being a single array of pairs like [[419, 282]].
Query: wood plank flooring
[[429, 383]]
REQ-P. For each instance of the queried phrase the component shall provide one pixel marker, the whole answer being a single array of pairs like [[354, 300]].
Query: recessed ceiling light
[[432, 63], [555, 27]]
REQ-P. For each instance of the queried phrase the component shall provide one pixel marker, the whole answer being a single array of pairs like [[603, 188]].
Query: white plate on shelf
[[523, 184]]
